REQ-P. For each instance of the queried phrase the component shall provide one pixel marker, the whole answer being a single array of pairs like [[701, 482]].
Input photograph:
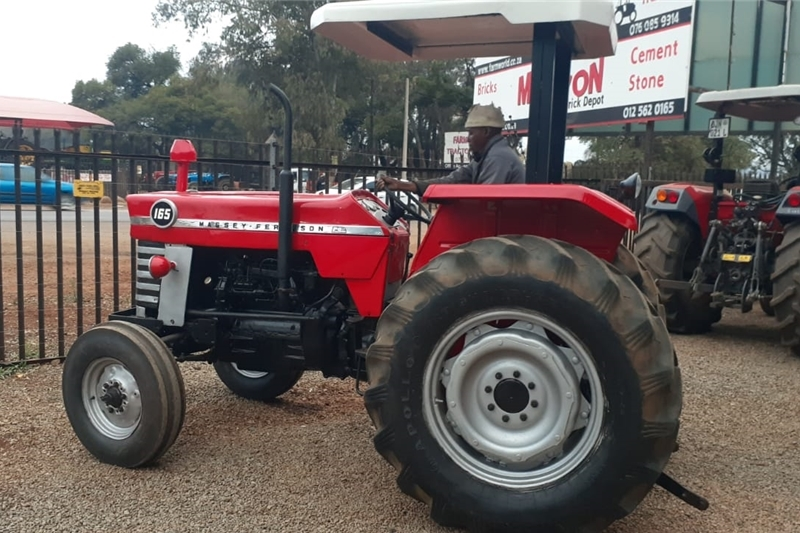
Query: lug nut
[[498, 376], [488, 388], [505, 418], [516, 373], [534, 404], [490, 407], [523, 417], [531, 385]]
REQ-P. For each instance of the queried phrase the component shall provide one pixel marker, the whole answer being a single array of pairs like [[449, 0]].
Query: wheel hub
[[494, 402], [111, 398], [114, 396], [511, 396]]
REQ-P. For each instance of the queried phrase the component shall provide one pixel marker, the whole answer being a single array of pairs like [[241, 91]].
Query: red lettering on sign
[[641, 83], [524, 90], [653, 54], [588, 80]]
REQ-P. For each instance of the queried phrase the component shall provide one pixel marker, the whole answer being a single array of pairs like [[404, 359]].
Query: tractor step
[[683, 285], [676, 489]]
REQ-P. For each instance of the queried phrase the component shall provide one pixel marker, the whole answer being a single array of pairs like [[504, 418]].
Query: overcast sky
[[48, 45]]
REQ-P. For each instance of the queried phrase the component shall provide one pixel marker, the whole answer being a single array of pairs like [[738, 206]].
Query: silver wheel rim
[[111, 398], [252, 374], [515, 407]]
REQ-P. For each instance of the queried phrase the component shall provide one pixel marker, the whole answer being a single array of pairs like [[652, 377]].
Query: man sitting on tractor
[[494, 161]]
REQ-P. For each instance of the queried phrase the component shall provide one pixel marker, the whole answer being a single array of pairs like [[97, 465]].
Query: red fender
[[570, 213]]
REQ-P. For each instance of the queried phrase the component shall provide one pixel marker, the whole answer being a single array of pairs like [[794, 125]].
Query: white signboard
[[647, 79], [456, 147]]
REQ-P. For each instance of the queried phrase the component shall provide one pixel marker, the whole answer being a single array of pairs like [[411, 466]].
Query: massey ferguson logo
[[164, 214]]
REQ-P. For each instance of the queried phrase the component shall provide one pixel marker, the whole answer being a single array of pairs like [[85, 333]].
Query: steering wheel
[[400, 209]]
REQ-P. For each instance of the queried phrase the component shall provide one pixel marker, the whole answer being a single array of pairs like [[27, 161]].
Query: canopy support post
[[547, 115]]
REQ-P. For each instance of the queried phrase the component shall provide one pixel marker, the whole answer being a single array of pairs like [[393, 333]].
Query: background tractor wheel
[[671, 247], [123, 393], [521, 384], [785, 283], [254, 385]]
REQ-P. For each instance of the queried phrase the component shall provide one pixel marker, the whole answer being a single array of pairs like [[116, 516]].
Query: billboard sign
[[647, 79], [456, 148]]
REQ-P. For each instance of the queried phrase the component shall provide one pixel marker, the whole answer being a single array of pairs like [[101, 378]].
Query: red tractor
[[711, 248], [521, 375]]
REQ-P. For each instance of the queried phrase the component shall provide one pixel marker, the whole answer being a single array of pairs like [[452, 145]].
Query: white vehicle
[[368, 183]]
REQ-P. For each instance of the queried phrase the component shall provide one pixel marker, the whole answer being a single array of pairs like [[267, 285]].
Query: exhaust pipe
[[285, 203]]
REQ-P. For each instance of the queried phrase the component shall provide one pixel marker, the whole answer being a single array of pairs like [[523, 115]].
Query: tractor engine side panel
[[344, 234], [570, 213]]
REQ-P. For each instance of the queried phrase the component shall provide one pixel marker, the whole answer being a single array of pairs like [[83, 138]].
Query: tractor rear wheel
[[671, 247], [123, 394], [520, 383], [255, 385], [786, 287]]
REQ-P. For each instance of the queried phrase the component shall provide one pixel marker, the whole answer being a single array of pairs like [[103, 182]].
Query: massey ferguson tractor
[[520, 372], [711, 248]]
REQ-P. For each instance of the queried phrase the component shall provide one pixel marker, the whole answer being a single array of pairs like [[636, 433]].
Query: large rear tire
[[786, 287], [123, 394], [671, 247], [522, 384]]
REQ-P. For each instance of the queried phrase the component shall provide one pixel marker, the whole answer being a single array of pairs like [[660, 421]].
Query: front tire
[[670, 247], [123, 394], [451, 372], [255, 385]]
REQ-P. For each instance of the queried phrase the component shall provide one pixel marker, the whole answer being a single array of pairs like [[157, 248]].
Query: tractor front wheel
[[123, 394], [520, 383], [786, 287], [671, 248], [255, 385]]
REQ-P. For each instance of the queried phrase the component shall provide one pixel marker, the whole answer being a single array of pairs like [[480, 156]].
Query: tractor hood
[[250, 219], [392, 30]]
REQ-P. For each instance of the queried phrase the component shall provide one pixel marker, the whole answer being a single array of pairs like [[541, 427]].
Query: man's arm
[[459, 175]]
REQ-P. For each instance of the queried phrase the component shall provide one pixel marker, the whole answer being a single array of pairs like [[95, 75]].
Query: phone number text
[[657, 109], [654, 23]]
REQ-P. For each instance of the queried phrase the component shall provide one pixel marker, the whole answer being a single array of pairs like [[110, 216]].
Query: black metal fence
[[67, 262]]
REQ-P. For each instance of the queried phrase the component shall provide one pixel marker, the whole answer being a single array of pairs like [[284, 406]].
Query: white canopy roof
[[404, 30], [778, 103]]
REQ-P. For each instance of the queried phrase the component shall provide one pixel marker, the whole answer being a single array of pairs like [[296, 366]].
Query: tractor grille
[[147, 288]]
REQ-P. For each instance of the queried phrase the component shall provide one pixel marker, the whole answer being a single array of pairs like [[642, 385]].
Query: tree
[[144, 93], [342, 103], [672, 155], [134, 72], [94, 95], [787, 164]]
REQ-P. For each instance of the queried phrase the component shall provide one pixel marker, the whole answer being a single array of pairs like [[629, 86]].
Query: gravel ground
[[307, 464]]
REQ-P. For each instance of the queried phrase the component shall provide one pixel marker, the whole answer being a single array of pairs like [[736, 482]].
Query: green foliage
[[788, 165], [144, 93], [670, 154], [134, 72], [341, 102]]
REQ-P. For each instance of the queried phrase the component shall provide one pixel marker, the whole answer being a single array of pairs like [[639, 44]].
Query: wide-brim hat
[[485, 116]]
